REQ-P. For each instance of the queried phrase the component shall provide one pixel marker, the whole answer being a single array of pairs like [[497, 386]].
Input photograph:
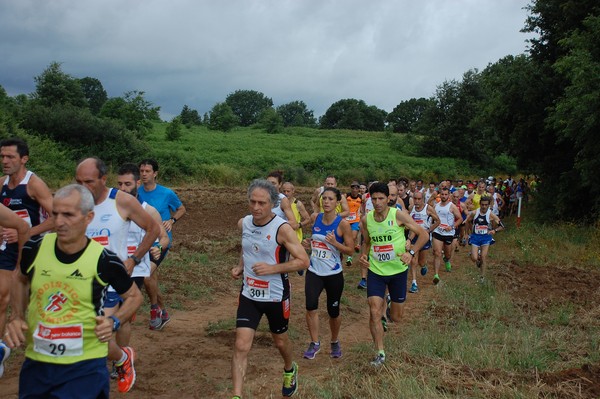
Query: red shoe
[[126, 371]]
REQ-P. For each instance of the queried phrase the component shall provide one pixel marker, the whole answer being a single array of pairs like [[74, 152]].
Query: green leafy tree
[[296, 113], [53, 87], [247, 105], [190, 117], [133, 110], [221, 117], [173, 131], [271, 121], [94, 93], [354, 115], [83, 133], [408, 113]]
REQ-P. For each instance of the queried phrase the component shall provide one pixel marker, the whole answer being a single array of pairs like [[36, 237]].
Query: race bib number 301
[[58, 341], [258, 289]]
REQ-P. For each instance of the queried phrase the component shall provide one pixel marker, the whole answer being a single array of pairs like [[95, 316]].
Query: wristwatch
[[136, 260], [410, 251], [173, 220], [116, 323]]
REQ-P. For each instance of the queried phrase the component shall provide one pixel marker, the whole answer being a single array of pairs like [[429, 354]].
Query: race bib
[[384, 253], [483, 229], [258, 288], [352, 218], [58, 341], [131, 249], [320, 250], [23, 214], [102, 240]]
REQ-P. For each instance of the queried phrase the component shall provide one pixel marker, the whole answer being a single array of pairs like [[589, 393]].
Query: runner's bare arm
[[19, 298], [457, 216], [345, 208], [130, 208], [344, 230], [286, 207], [434, 217], [163, 237], [403, 218], [304, 215], [39, 191], [366, 246]]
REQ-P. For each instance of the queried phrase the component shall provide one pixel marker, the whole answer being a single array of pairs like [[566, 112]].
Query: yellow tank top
[[298, 218], [61, 313], [387, 244], [476, 199]]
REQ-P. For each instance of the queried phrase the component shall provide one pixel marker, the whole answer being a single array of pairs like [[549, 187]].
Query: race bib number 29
[[58, 341]]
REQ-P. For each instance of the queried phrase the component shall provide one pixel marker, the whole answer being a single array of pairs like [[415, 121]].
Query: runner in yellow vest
[[63, 279], [384, 254]]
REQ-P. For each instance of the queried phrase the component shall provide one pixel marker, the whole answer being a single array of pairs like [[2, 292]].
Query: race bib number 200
[[384, 253]]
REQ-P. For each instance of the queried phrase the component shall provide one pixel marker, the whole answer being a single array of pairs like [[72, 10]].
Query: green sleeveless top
[[61, 308], [387, 244]]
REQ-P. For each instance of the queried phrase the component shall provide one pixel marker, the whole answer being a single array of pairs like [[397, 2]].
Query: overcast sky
[[196, 52]]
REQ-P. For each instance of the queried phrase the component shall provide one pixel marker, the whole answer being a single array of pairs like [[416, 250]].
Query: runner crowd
[[72, 265]]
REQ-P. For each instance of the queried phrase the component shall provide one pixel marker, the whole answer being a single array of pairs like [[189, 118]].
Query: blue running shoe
[[336, 350], [313, 349], [413, 288], [424, 270], [362, 284], [4, 354]]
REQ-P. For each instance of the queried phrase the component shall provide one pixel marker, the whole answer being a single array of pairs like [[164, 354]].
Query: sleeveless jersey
[[494, 201], [61, 306], [259, 244], [134, 238], [368, 203], [421, 217], [387, 244], [406, 202], [482, 224], [297, 216], [476, 199], [277, 208], [325, 259], [428, 195], [354, 206], [18, 201], [108, 228], [446, 219]]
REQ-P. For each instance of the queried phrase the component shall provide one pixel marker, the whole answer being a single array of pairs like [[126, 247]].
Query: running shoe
[[478, 263], [349, 261], [126, 371], [436, 279], [482, 280], [424, 270], [384, 323], [362, 284], [336, 350], [313, 349], [113, 371], [290, 381], [413, 288], [155, 319], [4, 354], [448, 266], [379, 360], [164, 319]]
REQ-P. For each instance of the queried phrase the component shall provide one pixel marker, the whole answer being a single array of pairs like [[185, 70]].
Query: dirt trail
[[184, 361]]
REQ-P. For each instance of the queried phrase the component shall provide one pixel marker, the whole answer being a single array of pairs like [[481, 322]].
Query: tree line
[[540, 109]]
